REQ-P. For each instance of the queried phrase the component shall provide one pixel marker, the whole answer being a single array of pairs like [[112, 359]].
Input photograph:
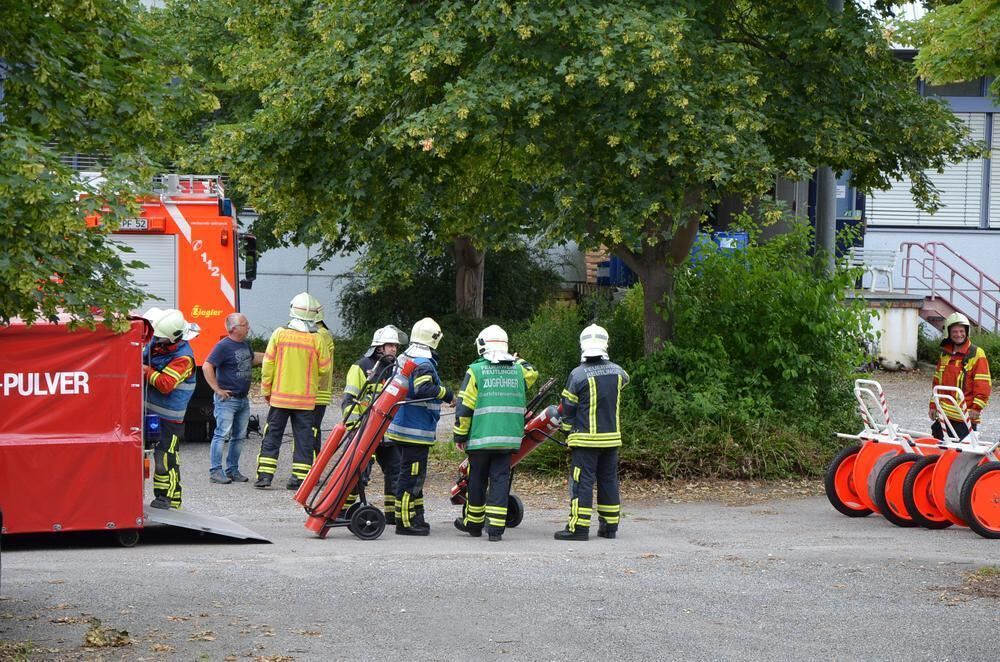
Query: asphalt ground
[[786, 578]]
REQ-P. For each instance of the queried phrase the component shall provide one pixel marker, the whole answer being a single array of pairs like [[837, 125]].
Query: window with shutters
[[159, 277], [960, 187], [994, 207]]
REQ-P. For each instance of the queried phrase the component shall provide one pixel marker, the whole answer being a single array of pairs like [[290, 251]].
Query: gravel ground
[[702, 576]]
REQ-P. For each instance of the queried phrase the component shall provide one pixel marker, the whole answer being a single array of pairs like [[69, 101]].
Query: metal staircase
[[949, 283]]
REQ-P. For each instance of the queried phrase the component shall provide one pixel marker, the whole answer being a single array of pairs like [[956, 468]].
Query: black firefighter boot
[[579, 534], [474, 530], [609, 531]]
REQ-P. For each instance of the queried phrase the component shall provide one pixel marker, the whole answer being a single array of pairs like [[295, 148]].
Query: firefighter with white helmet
[[365, 380], [962, 365], [296, 362], [414, 426], [489, 425], [169, 368], [590, 407]]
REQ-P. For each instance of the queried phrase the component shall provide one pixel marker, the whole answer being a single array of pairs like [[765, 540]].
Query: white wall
[[281, 275]]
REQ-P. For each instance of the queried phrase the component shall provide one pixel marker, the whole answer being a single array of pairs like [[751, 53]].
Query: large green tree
[[79, 78], [616, 123], [958, 41]]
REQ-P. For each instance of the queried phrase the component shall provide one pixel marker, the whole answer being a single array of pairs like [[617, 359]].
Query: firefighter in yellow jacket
[[296, 363], [324, 394]]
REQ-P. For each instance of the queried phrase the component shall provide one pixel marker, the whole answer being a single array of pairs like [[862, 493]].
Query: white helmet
[[170, 325], [491, 343], [426, 332], [594, 341], [957, 318], [388, 335], [305, 307]]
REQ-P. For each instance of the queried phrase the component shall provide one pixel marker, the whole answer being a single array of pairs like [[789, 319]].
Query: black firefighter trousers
[[488, 491], [590, 465]]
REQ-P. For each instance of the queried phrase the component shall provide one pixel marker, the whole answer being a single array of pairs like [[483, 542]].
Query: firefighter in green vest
[[489, 425]]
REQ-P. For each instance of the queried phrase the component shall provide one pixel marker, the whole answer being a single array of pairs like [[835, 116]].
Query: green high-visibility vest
[[498, 419]]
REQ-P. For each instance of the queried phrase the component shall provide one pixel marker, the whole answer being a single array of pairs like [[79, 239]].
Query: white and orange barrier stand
[[869, 476], [963, 481]]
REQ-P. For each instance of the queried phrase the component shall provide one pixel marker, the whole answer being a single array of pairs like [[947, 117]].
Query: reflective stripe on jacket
[[591, 404], [964, 367], [489, 414], [295, 363], [174, 373], [324, 395], [416, 423], [358, 393]]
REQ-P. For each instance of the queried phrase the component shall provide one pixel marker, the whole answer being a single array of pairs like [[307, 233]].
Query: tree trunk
[[469, 270], [655, 265]]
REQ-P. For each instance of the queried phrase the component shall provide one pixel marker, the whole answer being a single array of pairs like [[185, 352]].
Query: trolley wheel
[[917, 495], [349, 515], [127, 537], [515, 510], [367, 522], [981, 500], [839, 483], [889, 489]]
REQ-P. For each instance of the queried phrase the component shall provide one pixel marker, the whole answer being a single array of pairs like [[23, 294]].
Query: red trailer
[[71, 433]]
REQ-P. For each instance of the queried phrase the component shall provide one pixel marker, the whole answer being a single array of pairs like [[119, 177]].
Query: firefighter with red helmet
[[489, 426], [296, 362], [414, 427], [590, 408], [365, 380], [964, 366], [169, 369]]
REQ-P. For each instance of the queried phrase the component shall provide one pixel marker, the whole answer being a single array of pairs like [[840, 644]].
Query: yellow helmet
[[957, 318], [305, 307], [426, 332], [170, 325]]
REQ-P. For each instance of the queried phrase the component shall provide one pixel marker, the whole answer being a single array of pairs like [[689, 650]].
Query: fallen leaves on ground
[[206, 635], [102, 637], [983, 583], [162, 648]]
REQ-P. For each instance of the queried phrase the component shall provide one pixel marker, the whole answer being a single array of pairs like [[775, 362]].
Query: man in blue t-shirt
[[227, 370]]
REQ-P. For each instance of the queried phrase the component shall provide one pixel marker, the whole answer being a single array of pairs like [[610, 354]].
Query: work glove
[[975, 415], [932, 412]]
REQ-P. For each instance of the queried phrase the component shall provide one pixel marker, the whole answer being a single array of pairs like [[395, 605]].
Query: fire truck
[[187, 237]]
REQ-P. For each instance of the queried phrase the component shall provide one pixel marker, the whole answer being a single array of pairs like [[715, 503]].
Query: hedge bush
[[756, 381]]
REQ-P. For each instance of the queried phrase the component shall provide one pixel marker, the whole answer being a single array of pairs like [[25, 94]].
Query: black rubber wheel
[[830, 483], [353, 509], [127, 537], [367, 522], [884, 507], [911, 504], [985, 529], [515, 510]]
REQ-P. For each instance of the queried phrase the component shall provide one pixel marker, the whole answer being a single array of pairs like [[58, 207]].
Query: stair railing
[[937, 268]]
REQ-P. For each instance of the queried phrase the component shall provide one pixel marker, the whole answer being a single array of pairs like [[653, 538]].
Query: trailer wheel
[[127, 537], [515, 510], [889, 489], [367, 522], [839, 482], [917, 495], [981, 500]]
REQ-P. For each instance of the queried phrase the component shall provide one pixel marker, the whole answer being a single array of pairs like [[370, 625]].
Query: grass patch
[[17, 651]]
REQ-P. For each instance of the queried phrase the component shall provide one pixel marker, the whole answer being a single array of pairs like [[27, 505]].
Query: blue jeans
[[231, 419]]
